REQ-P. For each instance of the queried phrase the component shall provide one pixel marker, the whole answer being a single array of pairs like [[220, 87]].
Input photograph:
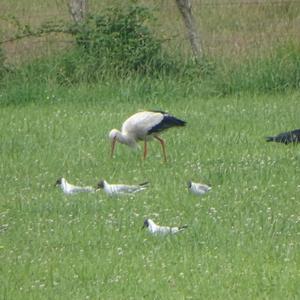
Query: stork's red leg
[[162, 142], [113, 147], [145, 149]]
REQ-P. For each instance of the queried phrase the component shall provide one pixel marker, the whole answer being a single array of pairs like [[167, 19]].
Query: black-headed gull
[[144, 126], [121, 189], [198, 188], [69, 189], [162, 230], [285, 137]]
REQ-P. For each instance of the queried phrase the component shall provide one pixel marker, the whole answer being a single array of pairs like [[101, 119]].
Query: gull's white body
[[162, 230], [198, 188], [121, 189], [70, 189], [143, 126]]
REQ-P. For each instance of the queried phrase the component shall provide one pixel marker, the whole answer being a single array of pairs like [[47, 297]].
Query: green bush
[[120, 40]]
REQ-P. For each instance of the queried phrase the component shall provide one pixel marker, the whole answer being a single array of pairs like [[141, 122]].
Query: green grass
[[243, 237], [45, 78]]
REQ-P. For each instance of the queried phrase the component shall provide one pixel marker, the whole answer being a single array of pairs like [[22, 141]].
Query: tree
[[77, 9], [185, 8]]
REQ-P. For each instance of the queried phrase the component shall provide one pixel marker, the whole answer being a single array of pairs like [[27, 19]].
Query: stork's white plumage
[[198, 188], [161, 230], [69, 188], [144, 126], [121, 189]]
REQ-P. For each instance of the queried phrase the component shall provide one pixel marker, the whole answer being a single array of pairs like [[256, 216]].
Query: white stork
[[143, 126], [161, 230]]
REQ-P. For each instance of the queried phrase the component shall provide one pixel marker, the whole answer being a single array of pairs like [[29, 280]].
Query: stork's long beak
[[143, 226], [113, 143]]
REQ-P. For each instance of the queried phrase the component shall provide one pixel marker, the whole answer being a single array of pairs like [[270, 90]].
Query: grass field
[[242, 240], [243, 237]]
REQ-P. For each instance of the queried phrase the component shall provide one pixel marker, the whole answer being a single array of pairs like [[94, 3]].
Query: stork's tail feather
[[177, 122], [269, 138]]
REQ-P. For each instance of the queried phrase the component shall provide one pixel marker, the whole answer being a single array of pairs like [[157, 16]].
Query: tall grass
[[279, 72]]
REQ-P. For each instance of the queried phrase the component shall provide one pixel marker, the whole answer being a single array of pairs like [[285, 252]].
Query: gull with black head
[[70, 189], [198, 188], [161, 230], [121, 189]]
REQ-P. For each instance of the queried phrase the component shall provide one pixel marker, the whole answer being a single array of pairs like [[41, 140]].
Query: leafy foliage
[[120, 39]]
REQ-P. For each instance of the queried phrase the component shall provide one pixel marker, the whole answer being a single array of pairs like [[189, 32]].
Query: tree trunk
[[185, 8], [78, 9]]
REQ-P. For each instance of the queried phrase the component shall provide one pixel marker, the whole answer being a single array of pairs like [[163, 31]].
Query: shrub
[[120, 39]]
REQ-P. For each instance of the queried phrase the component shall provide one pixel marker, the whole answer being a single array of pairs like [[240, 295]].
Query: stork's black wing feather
[[168, 121]]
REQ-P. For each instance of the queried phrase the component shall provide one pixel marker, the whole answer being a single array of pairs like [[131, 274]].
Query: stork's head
[[113, 136], [123, 138], [189, 184]]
